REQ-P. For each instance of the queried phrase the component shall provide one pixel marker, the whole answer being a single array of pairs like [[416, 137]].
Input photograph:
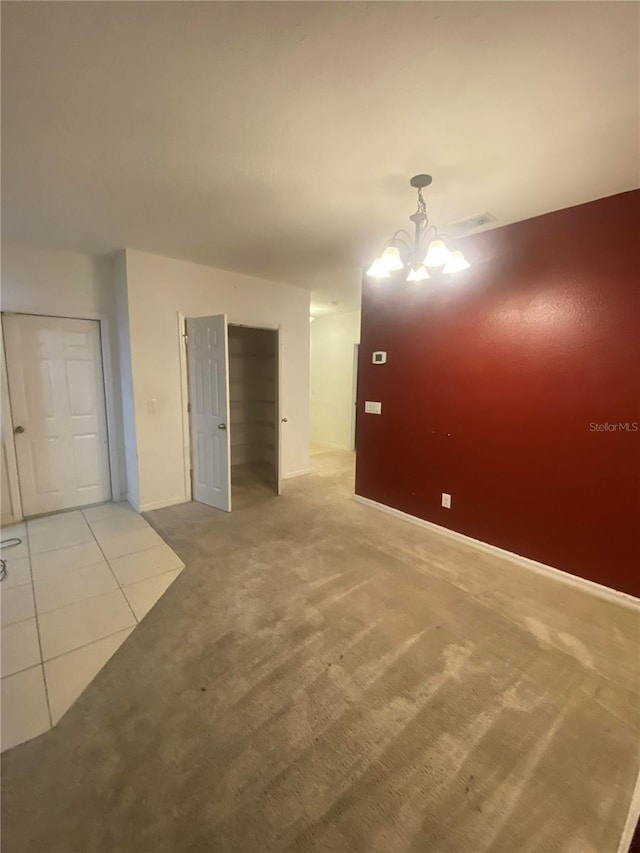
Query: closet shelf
[[251, 402], [251, 423], [264, 445]]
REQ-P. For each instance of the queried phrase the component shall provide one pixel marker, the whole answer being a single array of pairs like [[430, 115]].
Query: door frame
[[279, 415], [115, 484], [184, 396], [9, 445], [354, 395]]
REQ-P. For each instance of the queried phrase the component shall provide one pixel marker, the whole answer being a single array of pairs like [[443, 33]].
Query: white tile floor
[[75, 589]]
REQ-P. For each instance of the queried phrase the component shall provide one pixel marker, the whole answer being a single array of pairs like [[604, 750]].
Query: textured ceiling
[[277, 139]]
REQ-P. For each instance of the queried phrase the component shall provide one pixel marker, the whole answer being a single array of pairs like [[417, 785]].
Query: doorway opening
[[253, 411], [233, 411], [354, 397]]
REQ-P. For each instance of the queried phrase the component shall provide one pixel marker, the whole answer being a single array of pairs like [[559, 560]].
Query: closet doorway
[[233, 411], [253, 410]]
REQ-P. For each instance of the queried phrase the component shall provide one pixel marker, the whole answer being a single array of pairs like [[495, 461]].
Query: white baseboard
[[299, 473], [558, 574], [161, 504], [124, 499]]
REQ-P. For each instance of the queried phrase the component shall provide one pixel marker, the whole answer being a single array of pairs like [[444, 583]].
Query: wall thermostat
[[379, 358]]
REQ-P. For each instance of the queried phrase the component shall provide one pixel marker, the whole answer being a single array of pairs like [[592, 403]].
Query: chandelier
[[425, 250]]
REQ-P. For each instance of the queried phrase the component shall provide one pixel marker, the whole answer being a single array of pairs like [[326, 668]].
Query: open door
[[208, 382]]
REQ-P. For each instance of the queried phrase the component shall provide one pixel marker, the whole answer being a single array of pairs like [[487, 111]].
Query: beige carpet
[[322, 677]]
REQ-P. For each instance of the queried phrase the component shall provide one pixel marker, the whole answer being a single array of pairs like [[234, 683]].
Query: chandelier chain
[[422, 223], [422, 206]]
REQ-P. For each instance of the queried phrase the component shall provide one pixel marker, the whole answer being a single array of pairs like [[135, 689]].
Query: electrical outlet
[[446, 500]]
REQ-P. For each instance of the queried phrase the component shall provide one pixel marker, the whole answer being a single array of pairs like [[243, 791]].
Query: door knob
[[222, 426], [284, 421], [18, 430]]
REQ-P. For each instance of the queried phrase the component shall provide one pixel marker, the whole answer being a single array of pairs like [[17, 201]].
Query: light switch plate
[[446, 500], [372, 408]]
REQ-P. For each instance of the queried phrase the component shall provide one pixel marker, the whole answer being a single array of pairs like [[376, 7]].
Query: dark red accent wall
[[493, 379]]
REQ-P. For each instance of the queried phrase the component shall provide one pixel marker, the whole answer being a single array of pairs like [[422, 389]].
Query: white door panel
[[54, 366], [208, 381]]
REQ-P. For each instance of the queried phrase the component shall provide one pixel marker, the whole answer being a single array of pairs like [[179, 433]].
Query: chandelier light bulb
[[391, 258], [379, 269], [418, 273], [456, 263], [424, 240], [437, 254]]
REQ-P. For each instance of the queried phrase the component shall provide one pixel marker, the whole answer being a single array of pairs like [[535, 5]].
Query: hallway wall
[[333, 338]]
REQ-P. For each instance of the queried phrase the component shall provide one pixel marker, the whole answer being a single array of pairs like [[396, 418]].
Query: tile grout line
[[129, 628], [52, 516], [63, 547], [62, 572], [86, 541], [33, 593], [80, 600], [120, 588], [40, 665], [24, 669], [106, 559], [111, 570]]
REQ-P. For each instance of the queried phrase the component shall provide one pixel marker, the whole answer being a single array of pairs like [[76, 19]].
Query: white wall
[[125, 377], [158, 288], [38, 280], [333, 338]]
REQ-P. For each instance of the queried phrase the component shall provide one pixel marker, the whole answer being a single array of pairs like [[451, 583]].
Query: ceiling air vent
[[473, 223]]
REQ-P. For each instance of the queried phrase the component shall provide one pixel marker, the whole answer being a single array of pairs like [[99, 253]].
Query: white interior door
[[208, 381], [54, 367]]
